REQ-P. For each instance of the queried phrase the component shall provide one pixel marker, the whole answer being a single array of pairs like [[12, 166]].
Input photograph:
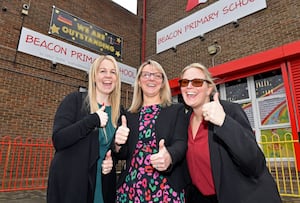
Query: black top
[[238, 165], [171, 125], [72, 172]]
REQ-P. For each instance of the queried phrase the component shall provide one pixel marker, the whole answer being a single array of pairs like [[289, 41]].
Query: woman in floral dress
[[153, 141]]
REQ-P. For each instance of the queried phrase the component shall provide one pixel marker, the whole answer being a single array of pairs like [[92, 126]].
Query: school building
[[252, 48]]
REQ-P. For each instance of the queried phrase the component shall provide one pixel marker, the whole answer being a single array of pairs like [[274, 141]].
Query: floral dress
[[144, 183]]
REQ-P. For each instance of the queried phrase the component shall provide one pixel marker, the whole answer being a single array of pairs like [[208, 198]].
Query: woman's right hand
[[102, 116], [107, 163], [122, 132]]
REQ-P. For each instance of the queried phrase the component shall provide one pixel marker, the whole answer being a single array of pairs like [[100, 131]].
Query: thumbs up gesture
[[102, 116], [107, 163], [161, 160], [214, 112], [122, 132]]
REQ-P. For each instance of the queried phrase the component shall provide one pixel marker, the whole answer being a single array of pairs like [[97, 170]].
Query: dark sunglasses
[[195, 82]]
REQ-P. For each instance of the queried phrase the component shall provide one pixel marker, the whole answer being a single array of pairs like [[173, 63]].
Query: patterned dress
[[144, 183]]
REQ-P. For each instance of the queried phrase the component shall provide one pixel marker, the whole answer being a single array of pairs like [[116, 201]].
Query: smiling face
[[151, 81], [105, 78], [193, 96]]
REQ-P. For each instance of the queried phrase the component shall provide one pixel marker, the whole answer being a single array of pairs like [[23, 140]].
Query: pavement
[[29, 196], [39, 196], [290, 200]]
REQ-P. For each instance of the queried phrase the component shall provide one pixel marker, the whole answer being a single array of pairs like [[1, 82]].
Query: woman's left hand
[[213, 111], [107, 163], [161, 160]]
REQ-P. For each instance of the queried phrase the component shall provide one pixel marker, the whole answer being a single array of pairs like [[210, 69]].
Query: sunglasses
[[195, 82]]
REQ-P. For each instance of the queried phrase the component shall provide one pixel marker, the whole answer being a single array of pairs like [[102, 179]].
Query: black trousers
[[193, 195]]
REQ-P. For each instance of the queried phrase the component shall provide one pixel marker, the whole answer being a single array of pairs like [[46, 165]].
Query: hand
[[122, 132], [214, 112], [107, 163], [161, 160], [102, 116]]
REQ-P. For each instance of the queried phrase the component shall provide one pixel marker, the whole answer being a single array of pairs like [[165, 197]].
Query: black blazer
[[171, 125], [238, 165], [72, 173]]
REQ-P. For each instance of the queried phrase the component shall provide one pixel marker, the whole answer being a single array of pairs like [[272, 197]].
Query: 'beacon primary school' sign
[[216, 15], [49, 48], [83, 33]]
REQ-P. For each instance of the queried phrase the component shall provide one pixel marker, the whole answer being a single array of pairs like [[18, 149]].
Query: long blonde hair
[[165, 91], [114, 97]]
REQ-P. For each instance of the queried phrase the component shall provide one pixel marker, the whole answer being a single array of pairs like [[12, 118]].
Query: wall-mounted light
[[82, 89], [25, 9], [214, 50], [201, 37], [235, 23], [53, 65], [174, 49]]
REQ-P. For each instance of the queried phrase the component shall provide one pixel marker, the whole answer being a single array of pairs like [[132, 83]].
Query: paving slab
[[28, 196], [39, 196]]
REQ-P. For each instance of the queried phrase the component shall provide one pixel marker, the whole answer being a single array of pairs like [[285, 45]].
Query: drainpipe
[[144, 32]]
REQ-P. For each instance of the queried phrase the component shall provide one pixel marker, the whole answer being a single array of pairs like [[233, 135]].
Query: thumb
[[108, 154], [161, 144], [216, 97], [124, 121], [102, 107]]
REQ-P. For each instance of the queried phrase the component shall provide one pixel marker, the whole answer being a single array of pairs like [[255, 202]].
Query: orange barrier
[[24, 164]]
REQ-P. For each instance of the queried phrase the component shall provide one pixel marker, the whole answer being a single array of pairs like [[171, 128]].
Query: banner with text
[[74, 29], [207, 19], [46, 47]]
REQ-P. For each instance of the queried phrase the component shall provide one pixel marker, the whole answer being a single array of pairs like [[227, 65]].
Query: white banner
[[46, 47], [207, 19]]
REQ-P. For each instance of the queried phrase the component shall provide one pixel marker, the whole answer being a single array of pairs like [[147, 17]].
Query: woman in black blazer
[[226, 164], [153, 141], [82, 169]]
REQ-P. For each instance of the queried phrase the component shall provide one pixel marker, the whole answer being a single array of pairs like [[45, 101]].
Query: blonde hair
[[114, 97], [206, 73], [165, 91]]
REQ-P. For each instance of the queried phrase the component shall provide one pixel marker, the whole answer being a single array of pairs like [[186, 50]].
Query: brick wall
[[276, 25], [30, 90]]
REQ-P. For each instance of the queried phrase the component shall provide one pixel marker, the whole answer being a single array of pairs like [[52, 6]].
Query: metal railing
[[24, 164], [281, 161]]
